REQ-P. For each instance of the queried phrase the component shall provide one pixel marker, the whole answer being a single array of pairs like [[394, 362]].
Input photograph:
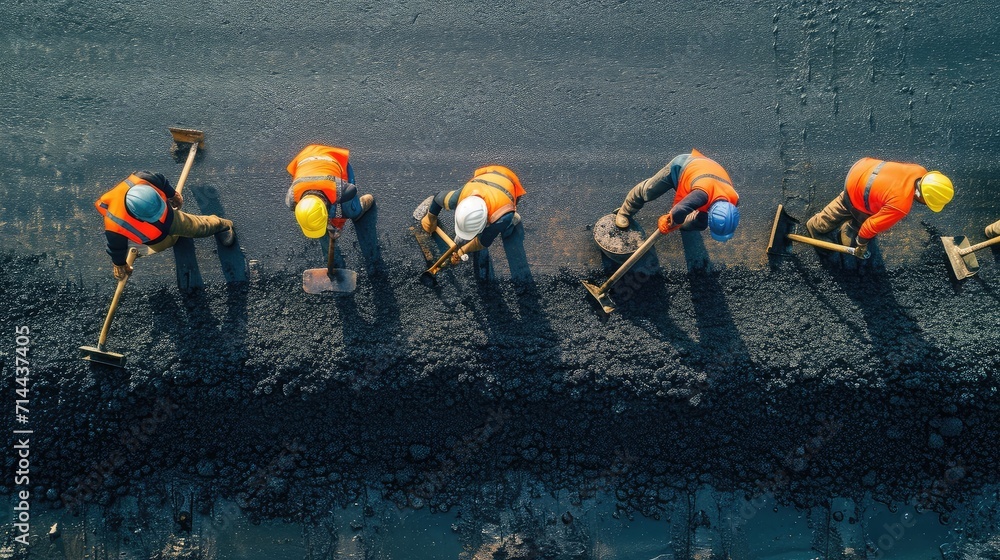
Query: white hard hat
[[470, 218]]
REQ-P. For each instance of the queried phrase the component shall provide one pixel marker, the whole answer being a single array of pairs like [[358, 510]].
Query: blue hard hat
[[723, 217], [145, 203]]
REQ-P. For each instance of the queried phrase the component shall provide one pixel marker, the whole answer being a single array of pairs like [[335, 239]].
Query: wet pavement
[[795, 378]]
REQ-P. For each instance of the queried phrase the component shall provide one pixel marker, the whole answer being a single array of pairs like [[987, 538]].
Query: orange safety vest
[[701, 173], [882, 189], [498, 186], [317, 168], [117, 218]]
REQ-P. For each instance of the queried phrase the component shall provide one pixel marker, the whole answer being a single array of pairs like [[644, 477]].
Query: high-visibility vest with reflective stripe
[[704, 174], [498, 186], [873, 183], [317, 168], [882, 189], [117, 218]]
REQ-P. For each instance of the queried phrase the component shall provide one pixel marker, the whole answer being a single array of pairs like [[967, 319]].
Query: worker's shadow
[[377, 320], [197, 332], [366, 230], [721, 347], [517, 259], [893, 333], [513, 316]]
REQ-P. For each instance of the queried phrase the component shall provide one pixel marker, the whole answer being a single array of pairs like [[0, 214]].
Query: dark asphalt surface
[[581, 99], [723, 373]]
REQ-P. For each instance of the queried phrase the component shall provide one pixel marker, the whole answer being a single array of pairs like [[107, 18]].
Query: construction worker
[[704, 197], [322, 184], [484, 208], [877, 194], [145, 209]]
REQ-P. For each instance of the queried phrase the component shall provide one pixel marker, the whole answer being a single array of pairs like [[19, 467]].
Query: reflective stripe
[[495, 186], [142, 238], [316, 178], [315, 158], [499, 213], [710, 176], [868, 185], [129, 182]]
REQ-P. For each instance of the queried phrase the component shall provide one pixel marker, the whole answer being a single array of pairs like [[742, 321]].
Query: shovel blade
[[187, 135], [319, 280], [602, 298], [428, 279], [421, 210], [779, 244], [962, 266], [96, 355]]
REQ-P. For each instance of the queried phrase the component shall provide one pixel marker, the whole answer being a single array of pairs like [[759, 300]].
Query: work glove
[[177, 201], [333, 231], [122, 271], [463, 253], [861, 248], [429, 222], [666, 223]]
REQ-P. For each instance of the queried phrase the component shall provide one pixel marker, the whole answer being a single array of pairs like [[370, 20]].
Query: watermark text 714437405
[[22, 434]]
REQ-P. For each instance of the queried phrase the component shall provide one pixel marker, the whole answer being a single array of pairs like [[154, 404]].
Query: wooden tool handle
[[979, 246], [822, 244], [642, 250], [441, 261], [187, 166], [329, 254], [133, 253], [444, 236], [441, 233]]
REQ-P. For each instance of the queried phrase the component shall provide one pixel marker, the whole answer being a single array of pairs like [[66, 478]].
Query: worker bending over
[[145, 209], [877, 194], [704, 197], [322, 185], [484, 208]]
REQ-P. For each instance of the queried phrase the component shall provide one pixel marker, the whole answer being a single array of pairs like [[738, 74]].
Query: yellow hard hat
[[312, 215], [936, 190]]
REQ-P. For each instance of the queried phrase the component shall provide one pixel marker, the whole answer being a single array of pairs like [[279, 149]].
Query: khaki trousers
[[191, 225], [839, 213]]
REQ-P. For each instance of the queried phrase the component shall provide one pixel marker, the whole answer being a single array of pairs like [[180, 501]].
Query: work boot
[[367, 201], [993, 230], [227, 237], [622, 219]]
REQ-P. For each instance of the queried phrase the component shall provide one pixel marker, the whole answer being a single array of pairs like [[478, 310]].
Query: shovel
[[428, 278], [780, 243], [329, 279], [187, 136], [961, 255], [601, 293], [100, 354]]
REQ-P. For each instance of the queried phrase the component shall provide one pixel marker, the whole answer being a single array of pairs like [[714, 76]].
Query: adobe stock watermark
[[473, 442], [795, 461], [22, 434], [932, 496], [282, 464], [132, 439]]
